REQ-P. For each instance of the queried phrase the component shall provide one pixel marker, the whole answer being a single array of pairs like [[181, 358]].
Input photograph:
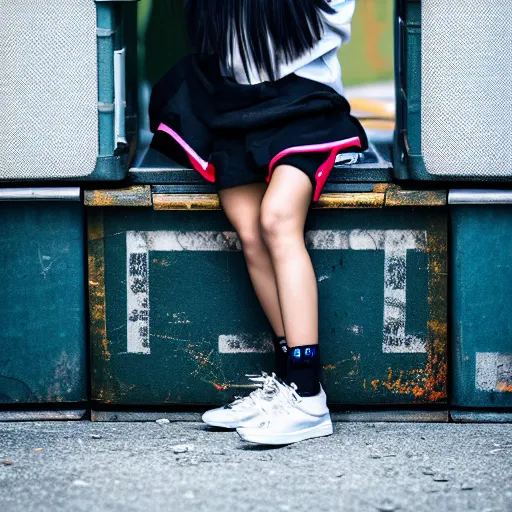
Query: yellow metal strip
[[137, 195], [211, 201], [186, 202], [351, 200], [396, 196]]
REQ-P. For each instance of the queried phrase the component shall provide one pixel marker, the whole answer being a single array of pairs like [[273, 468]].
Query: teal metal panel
[[43, 342], [408, 160], [481, 300], [174, 319]]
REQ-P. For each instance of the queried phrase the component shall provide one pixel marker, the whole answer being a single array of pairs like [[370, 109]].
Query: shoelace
[[267, 391]]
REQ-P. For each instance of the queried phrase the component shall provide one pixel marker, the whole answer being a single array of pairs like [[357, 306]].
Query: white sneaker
[[289, 418], [246, 411]]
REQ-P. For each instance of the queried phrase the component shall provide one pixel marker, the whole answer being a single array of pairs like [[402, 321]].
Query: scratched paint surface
[[43, 337], [184, 326], [482, 330]]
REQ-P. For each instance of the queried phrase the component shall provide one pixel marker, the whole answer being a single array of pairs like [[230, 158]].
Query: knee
[[251, 241], [275, 224]]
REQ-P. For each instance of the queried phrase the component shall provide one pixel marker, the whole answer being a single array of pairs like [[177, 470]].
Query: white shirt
[[320, 64]]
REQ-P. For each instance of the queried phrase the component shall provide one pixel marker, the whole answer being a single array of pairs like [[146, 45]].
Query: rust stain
[[137, 195], [380, 187], [191, 202], [96, 280], [163, 262], [428, 384], [186, 202], [350, 200], [504, 386], [329, 367], [398, 196]]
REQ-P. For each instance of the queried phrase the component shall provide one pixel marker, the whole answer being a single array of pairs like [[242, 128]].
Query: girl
[[259, 111]]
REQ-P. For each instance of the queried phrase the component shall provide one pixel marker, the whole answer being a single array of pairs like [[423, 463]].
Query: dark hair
[[268, 32]]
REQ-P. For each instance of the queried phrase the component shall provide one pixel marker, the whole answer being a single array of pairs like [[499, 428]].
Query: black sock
[[281, 356], [304, 369]]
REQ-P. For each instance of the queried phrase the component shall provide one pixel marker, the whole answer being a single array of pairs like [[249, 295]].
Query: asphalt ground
[[54, 466]]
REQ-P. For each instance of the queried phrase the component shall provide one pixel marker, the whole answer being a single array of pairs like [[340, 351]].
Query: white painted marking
[[193, 241], [137, 292], [394, 243], [245, 344], [493, 371]]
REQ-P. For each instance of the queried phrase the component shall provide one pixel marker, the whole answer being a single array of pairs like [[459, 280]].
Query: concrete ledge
[[78, 414], [347, 416], [481, 417]]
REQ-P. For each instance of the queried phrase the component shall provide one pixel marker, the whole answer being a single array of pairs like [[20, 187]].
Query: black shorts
[[236, 134], [235, 166]]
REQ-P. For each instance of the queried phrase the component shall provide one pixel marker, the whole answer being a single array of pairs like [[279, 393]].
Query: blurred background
[[367, 61]]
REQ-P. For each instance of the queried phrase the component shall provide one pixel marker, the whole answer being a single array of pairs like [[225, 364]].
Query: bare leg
[[283, 215], [242, 206]]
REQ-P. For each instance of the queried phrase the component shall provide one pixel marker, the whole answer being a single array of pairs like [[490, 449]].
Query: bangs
[[265, 32]]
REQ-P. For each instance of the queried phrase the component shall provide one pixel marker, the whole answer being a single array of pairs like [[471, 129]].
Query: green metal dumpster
[[68, 90], [481, 223], [174, 319], [43, 342], [443, 75]]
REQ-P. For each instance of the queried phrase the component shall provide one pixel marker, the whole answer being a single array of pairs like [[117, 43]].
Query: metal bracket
[[120, 96]]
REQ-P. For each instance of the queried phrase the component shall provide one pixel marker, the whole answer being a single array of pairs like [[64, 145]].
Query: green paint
[[196, 296], [482, 280], [43, 342], [368, 58], [162, 41]]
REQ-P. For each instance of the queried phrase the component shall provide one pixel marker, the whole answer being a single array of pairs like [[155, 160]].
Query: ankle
[[303, 369]]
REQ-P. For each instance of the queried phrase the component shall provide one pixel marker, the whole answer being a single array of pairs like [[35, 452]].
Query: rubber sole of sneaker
[[262, 436], [220, 424]]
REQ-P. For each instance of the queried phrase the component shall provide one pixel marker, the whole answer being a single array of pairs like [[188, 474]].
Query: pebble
[[429, 471], [441, 478], [386, 506], [6, 462], [182, 448], [162, 421], [466, 487], [96, 436], [375, 456], [38, 449], [80, 483]]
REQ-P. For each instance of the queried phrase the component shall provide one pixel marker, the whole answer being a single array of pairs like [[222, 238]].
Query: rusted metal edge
[[78, 414], [351, 200], [437, 328], [397, 196], [211, 201], [137, 195], [97, 304], [186, 202]]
